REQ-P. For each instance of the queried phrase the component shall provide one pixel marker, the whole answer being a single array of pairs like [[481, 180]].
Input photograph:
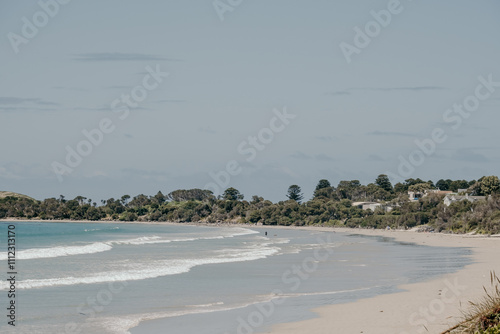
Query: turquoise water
[[139, 278]]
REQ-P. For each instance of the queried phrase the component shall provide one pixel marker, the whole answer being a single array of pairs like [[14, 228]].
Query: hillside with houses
[[457, 206]]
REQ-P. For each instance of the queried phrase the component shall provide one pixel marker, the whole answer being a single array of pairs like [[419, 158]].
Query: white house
[[452, 198], [367, 205]]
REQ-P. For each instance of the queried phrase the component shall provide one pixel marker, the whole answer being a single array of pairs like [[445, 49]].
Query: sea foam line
[[98, 247], [40, 253], [150, 270], [122, 325]]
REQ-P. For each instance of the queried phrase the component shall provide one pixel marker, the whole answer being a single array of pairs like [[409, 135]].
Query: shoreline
[[435, 304]]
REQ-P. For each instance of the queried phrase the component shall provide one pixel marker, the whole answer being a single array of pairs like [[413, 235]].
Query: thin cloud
[[105, 108], [301, 156], [78, 89], [390, 89], [469, 148], [468, 155], [324, 157], [11, 100], [246, 164], [390, 133], [14, 170], [338, 93], [16, 100], [118, 56], [119, 87], [207, 129], [92, 109], [289, 172], [318, 157], [375, 158], [349, 91], [326, 138], [170, 101], [24, 109], [145, 173], [47, 103]]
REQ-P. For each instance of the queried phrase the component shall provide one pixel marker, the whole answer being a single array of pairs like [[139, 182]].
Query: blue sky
[[226, 79]]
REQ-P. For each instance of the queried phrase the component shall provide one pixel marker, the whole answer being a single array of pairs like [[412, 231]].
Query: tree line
[[329, 206]]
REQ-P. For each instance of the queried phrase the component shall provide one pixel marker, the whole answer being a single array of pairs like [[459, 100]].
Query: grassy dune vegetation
[[483, 317]]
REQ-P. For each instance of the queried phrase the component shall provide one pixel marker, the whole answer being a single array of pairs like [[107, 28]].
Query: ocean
[[114, 278]]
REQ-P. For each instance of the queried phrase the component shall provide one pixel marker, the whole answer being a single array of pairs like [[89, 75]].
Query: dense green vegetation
[[330, 206]]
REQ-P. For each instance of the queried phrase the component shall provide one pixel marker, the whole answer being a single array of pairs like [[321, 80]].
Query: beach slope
[[426, 307]]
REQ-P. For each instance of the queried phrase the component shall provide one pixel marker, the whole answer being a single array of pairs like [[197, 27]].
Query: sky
[[106, 98]]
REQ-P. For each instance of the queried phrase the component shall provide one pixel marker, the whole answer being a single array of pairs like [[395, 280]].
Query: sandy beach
[[435, 304]]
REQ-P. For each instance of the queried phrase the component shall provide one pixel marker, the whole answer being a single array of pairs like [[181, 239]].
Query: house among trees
[[415, 195], [452, 198], [367, 205], [372, 206]]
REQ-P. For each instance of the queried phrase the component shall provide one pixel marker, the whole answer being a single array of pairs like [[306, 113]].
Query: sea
[[115, 278]]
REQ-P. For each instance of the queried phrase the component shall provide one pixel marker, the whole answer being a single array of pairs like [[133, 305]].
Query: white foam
[[98, 247], [281, 241], [41, 253], [229, 233], [140, 241], [324, 293], [122, 325], [207, 305], [243, 231], [150, 270]]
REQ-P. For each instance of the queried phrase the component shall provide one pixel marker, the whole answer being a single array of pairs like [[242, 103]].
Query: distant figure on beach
[[266, 233]]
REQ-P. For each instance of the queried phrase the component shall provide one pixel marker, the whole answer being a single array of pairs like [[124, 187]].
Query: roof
[[459, 197], [363, 203]]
